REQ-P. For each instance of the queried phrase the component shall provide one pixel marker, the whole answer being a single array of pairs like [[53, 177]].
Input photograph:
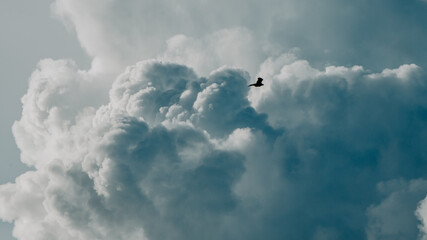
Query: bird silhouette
[[258, 83]]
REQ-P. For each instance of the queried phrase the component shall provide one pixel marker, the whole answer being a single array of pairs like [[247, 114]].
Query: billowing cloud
[[172, 155], [177, 146]]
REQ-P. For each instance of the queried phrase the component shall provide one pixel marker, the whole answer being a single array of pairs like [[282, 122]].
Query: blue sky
[[137, 122]]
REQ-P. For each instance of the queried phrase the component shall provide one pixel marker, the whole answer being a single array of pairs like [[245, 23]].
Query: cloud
[[98, 167], [236, 47], [177, 146], [421, 214], [344, 131], [119, 33], [394, 218], [58, 95], [315, 154]]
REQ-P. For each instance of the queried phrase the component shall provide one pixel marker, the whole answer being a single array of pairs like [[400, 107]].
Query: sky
[[29, 33], [134, 120]]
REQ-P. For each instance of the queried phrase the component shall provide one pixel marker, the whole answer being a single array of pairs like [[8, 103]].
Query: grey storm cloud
[[162, 138]]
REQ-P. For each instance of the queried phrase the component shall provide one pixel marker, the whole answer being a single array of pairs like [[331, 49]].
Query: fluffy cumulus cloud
[[120, 164], [176, 146]]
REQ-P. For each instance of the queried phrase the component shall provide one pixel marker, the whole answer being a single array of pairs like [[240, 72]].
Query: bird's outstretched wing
[[259, 80]]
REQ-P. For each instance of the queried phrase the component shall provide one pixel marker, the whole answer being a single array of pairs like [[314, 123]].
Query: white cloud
[[119, 33], [170, 145], [100, 167], [288, 99], [59, 95], [181, 148], [231, 47], [422, 216]]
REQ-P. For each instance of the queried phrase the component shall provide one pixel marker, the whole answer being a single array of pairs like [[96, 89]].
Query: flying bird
[[258, 83]]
